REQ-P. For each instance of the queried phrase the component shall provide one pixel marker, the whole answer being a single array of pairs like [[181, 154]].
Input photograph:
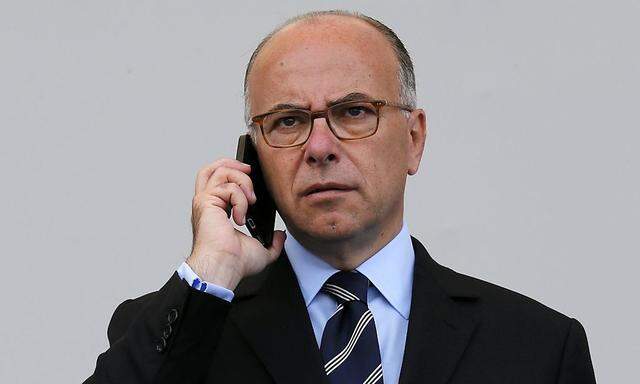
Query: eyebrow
[[353, 96], [283, 106]]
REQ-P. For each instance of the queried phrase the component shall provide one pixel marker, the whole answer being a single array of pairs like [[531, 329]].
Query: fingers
[[223, 182], [276, 245], [230, 193], [205, 172], [224, 175]]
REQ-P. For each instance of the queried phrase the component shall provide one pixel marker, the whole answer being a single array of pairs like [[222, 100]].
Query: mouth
[[326, 189]]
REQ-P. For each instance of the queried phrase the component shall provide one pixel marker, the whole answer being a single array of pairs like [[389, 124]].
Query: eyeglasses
[[349, 120]]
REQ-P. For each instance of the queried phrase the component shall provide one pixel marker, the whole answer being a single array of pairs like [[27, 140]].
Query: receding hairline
[[315, 17], [319, 20], [406, 77]]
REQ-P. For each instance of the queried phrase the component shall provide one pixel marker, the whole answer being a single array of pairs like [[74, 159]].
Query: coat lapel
[[277, 325], [439, 328]]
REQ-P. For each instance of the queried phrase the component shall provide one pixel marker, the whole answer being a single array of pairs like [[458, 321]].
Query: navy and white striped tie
[[349, 342]]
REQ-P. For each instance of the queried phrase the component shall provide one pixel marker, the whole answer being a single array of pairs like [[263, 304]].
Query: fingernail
[[254, 195]]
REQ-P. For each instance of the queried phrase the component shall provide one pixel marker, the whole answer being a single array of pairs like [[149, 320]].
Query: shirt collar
[[390, 270]]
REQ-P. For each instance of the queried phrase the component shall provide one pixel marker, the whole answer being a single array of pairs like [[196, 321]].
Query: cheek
[[386, 166], [279, 176]]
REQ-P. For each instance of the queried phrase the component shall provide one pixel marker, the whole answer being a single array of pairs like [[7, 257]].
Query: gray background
[[108, 109]]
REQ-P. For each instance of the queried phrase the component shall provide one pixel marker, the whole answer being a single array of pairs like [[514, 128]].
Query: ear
[[417, 138]]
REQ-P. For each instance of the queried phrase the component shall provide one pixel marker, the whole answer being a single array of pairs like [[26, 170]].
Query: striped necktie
[[349, 342]]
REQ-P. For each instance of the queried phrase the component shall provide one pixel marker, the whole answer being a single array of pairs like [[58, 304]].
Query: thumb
[[276, 245]]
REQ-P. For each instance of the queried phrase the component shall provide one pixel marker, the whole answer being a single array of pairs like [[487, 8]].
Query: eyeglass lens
[[348, 121]]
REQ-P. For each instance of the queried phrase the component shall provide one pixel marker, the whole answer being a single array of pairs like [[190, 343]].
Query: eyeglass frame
[[313, 115]]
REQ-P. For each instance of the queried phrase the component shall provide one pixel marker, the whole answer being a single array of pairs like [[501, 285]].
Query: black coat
[[461, 330]]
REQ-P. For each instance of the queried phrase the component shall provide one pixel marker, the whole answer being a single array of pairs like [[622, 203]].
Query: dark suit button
[[167, 331], [172, 316], [161, 345]]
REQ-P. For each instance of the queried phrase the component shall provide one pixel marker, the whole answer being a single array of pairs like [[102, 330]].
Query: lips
[[320, 187]]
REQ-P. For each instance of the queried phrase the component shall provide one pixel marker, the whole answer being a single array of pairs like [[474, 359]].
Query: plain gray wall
[[108, 109]]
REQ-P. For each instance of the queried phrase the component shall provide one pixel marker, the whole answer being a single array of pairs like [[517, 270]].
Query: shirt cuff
[[186, 273]]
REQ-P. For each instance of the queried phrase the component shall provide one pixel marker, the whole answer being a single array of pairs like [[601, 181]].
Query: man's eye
[[287, 122], [356, 111]]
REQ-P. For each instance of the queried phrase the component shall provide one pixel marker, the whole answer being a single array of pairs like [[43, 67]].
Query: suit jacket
[[461, 330]]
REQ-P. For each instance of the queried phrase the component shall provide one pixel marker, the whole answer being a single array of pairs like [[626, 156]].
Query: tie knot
[[347, 286]]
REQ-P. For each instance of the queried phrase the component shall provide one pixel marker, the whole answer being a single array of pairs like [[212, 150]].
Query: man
[[347, 296]]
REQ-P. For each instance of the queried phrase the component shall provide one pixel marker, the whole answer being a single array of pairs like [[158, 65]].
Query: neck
[[348, 253]]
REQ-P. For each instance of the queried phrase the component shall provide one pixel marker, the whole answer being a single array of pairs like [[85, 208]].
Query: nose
[[321, 148]]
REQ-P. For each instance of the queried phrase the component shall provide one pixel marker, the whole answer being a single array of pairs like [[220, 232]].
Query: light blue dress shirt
[[187, 274], [390, 271]]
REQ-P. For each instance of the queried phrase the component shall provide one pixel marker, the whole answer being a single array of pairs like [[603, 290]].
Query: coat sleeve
[[576, 366], [168, 336]]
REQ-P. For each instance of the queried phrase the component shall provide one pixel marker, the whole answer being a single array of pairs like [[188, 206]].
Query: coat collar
[[270, 311], [441, 321]]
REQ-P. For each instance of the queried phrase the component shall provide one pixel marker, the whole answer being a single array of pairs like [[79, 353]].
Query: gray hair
[[406, 76]]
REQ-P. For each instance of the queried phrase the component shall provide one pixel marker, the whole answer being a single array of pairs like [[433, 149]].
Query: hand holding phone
[[221, 254]]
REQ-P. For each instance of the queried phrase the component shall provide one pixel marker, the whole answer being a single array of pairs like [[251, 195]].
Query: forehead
[[312, 62]]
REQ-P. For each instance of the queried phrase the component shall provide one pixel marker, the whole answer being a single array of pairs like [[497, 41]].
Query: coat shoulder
[[502, 305], [519, 329], [494, 302]]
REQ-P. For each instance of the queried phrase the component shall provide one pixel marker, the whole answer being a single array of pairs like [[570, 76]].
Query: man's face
[[311, 65]]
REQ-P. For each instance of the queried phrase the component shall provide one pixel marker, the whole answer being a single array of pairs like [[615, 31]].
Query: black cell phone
[[261, 216]]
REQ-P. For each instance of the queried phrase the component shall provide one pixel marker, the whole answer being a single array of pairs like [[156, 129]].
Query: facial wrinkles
[[348, 165], [339, 170], [353, 158], [312, 70], [306, 70], [313, 89]]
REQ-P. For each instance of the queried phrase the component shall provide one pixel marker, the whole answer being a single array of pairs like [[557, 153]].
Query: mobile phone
[[261, 216]]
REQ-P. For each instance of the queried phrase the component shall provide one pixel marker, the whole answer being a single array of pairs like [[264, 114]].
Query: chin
[[330, 226]]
